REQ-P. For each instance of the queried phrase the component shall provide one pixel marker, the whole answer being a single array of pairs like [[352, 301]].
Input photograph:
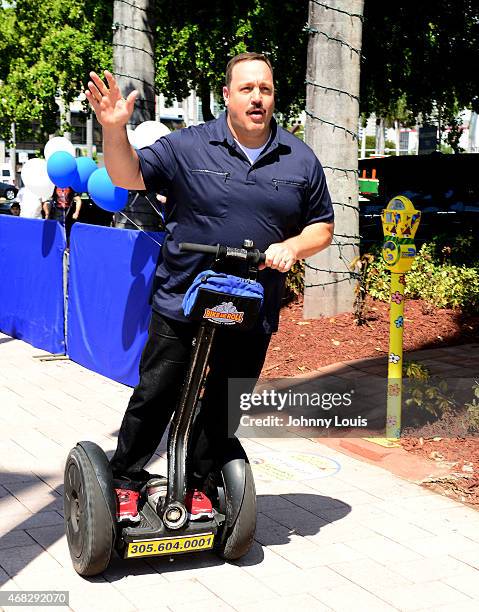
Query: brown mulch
[[461, 455], [304, 345]]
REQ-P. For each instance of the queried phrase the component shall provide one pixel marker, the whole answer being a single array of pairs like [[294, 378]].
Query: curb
[[395, 460]]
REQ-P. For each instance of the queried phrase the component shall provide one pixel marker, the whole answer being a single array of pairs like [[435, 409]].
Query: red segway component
[[127, 505]]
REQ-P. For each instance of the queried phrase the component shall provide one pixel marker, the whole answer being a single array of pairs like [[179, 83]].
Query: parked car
[[6, 174], [9, 192], [5, 208]]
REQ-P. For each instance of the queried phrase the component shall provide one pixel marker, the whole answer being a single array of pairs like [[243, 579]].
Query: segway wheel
[[237, 538], [87, 518]]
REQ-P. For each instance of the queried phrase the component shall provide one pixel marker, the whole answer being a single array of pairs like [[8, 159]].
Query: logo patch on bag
[[224, 313]]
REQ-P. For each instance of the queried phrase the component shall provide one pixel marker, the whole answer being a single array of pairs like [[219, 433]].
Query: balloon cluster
[[61, 168]]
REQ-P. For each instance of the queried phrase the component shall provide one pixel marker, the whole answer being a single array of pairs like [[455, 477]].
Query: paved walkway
[[345, 535]]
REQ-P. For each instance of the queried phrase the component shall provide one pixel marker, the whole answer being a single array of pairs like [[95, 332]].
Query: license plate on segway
[[170, 546]]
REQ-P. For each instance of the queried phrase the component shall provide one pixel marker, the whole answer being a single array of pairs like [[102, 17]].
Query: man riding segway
[[239, 176]]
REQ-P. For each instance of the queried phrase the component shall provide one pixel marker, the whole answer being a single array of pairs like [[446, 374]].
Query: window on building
[[403, 142]]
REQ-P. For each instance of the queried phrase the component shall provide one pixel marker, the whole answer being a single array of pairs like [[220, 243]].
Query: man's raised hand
[[111, 109]]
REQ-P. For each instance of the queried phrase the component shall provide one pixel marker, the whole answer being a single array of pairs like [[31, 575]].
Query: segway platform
[[151, 538]]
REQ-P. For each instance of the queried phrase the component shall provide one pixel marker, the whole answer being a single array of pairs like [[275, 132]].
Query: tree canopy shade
[[48, 47], [196, 38], [420, 58], [417, 57]]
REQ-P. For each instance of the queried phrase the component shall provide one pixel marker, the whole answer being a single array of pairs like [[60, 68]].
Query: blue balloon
[[104, 193], [61, 167], [85, 168]]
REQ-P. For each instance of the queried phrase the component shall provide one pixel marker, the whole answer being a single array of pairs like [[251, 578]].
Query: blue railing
[[106, 279]]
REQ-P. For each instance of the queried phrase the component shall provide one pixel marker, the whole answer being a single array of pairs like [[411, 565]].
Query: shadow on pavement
[[18, 548], [279, 518], [3, 340]]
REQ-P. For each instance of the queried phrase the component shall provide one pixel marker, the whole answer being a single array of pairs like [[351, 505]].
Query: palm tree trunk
[[205, 97], [133, 55], [332, 109]]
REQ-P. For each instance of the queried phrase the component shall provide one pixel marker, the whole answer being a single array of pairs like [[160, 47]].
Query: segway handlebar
[[220, 251]]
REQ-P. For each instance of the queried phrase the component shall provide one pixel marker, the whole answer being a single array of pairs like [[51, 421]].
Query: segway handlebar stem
[[172, 509]]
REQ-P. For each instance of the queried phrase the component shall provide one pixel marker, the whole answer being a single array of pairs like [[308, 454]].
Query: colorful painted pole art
[[400, 222]]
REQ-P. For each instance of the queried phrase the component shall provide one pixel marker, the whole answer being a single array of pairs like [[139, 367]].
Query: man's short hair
[[245, 57], [15, 205]]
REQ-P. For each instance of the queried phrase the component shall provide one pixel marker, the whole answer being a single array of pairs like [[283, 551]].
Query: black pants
[[163, 366]]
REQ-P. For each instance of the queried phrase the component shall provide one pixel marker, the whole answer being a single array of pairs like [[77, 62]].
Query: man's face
[[250, 98], [15, 211]]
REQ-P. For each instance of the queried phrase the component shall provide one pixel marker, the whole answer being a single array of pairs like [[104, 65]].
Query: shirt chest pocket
[[286, 201], [210, 191]]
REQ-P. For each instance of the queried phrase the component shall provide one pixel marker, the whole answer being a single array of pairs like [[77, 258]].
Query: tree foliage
[[417, 57], [195, 40], [47, 48], [420, 58]]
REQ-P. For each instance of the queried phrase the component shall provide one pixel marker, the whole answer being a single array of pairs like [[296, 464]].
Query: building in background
[[376, 139], [85, 133]]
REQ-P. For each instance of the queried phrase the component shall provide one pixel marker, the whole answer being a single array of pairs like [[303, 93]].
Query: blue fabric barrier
[[111, 273], [31, 281]]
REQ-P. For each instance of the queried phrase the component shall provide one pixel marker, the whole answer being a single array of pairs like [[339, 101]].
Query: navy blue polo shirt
[[215, 195]]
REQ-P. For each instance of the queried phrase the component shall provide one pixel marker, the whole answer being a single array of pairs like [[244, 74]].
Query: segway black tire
[[89, 533], [238, 538]]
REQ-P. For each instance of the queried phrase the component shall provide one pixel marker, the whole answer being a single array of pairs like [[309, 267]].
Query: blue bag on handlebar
[[223, 299]]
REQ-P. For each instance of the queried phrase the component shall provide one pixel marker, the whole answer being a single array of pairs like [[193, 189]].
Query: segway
[[165, 528]]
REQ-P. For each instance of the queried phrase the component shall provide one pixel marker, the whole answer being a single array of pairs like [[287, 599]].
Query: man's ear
[[226, 95]]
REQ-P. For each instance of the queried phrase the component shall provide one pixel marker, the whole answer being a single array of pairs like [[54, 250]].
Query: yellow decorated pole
[[396, 326], [400, 222]]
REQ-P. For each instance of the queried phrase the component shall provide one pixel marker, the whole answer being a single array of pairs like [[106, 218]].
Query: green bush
[[378, 278], [425, 394], [428, 400], [442, 284], [472, 408], [294, 286]]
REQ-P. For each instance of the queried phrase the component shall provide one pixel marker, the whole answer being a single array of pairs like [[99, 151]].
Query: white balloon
[[30, 204], [36, 179], [59, 143], [130, 134], [149, 132]]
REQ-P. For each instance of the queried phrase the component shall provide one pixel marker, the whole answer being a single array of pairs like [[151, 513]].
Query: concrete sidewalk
[[340, 535]]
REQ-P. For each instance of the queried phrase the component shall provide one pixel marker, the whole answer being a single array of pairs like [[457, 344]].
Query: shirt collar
[[220, 132]]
